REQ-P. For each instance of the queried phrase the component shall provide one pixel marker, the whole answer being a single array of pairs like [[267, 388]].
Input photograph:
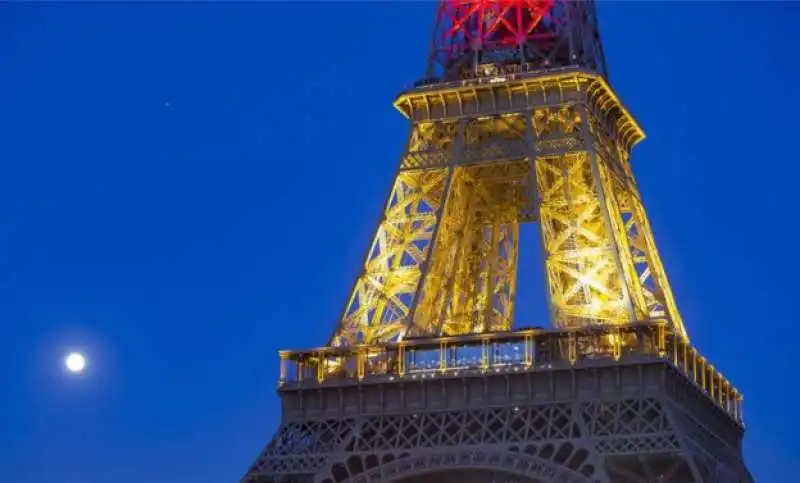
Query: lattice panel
[[273, 465], [431, 430], [556, 122], [608, 148], [653, 280], [470, 284], [383, 294], [450, 248], [649, 288], [637, 445], [480, 131], [492, 152], [494, 139], [551, 147], [631, 261], [432, 136], [302, 446], [635, 417], [557, 130], [307, 437], [583, 273], [430, 144], [626, 417]]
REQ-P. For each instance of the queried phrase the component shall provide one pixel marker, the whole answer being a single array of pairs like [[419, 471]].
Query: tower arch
[[460, 465]]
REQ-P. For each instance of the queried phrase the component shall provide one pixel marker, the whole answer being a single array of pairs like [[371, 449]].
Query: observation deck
[[507, 91], [517, 352]]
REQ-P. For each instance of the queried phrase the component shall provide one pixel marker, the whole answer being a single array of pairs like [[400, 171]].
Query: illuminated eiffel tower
[[424, 379]]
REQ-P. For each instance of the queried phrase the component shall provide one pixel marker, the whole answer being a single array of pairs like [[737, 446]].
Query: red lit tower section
[[475, 38]]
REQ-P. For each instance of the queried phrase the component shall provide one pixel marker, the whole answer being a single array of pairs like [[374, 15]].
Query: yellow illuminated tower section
[[425, 377], [504, 143]]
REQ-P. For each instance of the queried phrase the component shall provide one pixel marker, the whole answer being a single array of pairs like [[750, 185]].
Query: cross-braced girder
[[382, 297], [580, 256]]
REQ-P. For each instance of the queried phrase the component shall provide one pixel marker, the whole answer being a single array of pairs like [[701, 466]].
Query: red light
[[493, 29], [481, 23]]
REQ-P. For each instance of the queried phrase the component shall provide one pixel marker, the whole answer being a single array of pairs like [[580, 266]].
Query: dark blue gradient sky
[[187, 187]]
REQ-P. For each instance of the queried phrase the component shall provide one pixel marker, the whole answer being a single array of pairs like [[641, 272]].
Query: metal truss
[[486, 37], [628, 440], [443, 260], [381, 300], [469, 286]]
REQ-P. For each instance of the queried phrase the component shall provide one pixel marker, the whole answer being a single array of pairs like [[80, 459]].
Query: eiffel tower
[[424, 379]]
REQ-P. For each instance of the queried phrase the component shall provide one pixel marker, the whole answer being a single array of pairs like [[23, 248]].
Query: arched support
[[528, 468]]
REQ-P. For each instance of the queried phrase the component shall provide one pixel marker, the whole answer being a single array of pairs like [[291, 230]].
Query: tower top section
[[486, 38]]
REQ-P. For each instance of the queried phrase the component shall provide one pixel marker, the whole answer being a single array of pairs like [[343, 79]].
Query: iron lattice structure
[[481, 37], [424, 377]]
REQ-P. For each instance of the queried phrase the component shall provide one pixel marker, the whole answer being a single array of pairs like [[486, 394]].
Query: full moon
[[75, 362]]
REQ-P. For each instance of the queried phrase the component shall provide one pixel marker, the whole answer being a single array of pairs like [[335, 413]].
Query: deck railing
[[516, 351]]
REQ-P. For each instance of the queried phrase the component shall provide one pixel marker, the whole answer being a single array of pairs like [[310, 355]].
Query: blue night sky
[[185, 188]]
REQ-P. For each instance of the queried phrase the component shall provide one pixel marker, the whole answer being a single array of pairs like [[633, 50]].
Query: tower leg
[[382, 297], [470, 284]]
